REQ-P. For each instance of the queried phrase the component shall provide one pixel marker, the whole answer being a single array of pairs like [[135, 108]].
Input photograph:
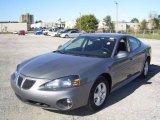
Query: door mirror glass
[[122, 54]]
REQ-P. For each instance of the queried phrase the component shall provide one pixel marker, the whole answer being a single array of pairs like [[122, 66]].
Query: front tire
[[98, 94]]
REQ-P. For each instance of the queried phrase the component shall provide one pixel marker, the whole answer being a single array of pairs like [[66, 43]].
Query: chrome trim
[[24, 78], [37, 84], [17, 80]]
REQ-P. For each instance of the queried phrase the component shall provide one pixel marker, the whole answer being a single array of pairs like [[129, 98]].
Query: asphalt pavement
[[139, 100]]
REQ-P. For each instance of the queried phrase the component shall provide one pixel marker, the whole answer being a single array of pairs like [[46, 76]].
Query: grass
[[147, 36], [5, 32]]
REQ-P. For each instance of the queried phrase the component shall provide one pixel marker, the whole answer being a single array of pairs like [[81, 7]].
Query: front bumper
[[49, 99]]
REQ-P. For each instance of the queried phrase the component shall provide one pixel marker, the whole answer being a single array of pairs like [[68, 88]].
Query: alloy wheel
[[100, 94]]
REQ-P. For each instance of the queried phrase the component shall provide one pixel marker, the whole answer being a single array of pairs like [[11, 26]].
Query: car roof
[[114, 35]]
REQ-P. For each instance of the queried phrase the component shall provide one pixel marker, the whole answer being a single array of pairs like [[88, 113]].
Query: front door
[[122, 67]]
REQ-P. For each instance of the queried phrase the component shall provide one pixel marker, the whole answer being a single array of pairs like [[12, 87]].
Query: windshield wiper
[[78, 54]]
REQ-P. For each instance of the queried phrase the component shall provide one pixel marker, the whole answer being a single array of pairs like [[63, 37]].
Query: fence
[[149, 34]]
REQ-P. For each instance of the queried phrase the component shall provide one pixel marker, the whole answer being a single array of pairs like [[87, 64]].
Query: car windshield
[[89, 46]]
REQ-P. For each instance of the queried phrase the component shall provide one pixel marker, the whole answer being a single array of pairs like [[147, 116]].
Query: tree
[[108, 22], [156, 23], [134, 20], [88, 23], [153, 14], [154, 20], [143, 25]]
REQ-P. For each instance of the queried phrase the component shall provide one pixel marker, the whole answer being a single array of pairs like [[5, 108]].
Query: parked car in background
[[55, 33], [45, 32], [21, 32], [59, 33], [49, 31], [15, 32], [65, 31], [72, 33], [39, 32], [95, 65]]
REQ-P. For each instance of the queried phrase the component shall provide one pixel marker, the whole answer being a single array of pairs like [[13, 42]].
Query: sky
[[51, 10]]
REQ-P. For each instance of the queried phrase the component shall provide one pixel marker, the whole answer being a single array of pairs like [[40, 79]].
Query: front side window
[[123, 46], [90, 46], [134, 43]]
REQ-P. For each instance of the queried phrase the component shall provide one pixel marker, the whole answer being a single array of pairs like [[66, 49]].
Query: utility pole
[[80, 22], [116, 15], [1, 28]]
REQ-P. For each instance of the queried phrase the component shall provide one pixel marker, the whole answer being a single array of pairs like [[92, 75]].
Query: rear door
[[137, 55]]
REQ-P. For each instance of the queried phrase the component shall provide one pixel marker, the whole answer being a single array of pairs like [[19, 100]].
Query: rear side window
[[73, 31], [134, 43]]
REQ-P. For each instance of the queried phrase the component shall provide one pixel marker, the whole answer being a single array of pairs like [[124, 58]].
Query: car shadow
[[117, 95]]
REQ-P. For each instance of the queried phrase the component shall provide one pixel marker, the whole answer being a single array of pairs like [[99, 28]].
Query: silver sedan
[[82, 72], [71, 34]]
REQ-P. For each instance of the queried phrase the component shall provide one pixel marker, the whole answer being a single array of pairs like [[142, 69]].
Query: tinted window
[[90, 46], [134, 43], [73, 31], [123, 45]]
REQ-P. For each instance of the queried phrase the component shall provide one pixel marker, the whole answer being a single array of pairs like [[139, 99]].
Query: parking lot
[[139, 100]]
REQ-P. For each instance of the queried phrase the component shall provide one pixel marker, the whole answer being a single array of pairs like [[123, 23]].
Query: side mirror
[[59, 47], [122, 54]]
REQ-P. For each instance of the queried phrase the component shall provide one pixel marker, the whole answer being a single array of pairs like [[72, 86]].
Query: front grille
[[20, 79], [25, 83], [28, 84], [37, 103]]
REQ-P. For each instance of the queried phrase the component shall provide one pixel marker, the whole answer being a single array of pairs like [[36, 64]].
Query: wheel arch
[[149, 59], [108, 77]]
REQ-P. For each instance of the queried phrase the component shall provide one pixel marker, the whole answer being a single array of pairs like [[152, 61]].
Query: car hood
[[55, 65]]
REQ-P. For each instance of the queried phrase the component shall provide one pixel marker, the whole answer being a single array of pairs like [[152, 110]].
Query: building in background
[[12, 26], [70, 24], [27, 18], [47, 25], [124, 26], [43, 25]]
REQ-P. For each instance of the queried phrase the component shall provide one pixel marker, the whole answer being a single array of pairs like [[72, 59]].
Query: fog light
[[64, 104]]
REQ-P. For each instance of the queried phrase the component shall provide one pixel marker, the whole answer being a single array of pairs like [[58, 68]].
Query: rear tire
[[98, 94], [145, 69], [66, 36]]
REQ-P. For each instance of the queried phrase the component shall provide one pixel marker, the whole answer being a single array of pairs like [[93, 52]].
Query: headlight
[[64, 82]]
